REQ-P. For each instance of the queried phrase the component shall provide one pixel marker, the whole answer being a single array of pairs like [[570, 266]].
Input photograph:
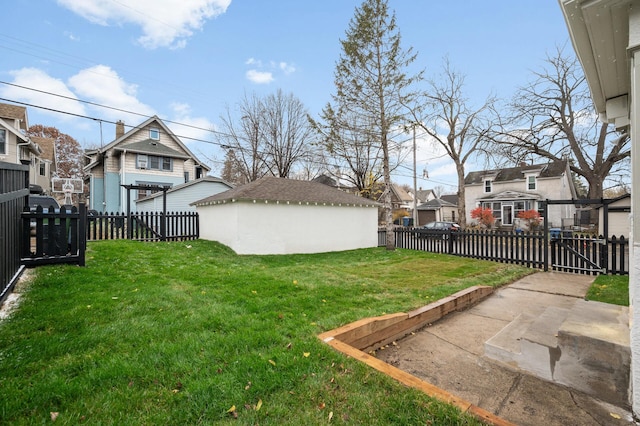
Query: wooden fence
[[144, 226], [578, 254], [14, 189]]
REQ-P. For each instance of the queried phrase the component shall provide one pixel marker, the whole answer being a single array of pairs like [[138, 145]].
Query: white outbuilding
[[283, 216]]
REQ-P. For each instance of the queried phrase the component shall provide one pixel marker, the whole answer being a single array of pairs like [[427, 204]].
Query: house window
[[487, 186], [186, 177], [43, 168], [497, 210], [154, 134], [3, 141], [154, 162], [153, 187], [531, 183]]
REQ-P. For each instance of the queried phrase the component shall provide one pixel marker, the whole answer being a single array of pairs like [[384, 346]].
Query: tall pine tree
[[372, 91]]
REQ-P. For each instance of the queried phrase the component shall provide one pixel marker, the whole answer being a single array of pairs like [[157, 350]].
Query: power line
[[221, 145]]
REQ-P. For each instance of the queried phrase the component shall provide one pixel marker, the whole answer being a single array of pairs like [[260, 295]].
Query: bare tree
[[553, 118], [268, 136], [240, 133], [447, 116], [372, 87], [286, 131], [68, 152]]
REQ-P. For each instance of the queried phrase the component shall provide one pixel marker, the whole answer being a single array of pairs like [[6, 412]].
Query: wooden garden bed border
[[360, 337]]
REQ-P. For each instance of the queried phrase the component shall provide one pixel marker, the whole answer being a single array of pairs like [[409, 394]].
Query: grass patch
[[182, 333], [612, 289]]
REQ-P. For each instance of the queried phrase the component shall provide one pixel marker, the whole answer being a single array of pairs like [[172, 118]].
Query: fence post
[[82, 234]]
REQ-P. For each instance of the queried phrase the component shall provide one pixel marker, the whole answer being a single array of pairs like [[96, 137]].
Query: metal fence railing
[[568, 253]]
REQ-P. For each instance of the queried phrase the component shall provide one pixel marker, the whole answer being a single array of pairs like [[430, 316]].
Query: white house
[[282, 216], [179, 198], [606, 37], [511, 190]]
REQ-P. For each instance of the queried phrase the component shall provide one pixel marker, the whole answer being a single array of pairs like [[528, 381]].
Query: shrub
[[531, 218], [484, 216]]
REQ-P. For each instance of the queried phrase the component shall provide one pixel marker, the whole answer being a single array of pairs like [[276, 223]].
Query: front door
[[507, 214]]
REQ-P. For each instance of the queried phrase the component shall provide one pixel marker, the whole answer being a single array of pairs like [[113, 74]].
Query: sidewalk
[[467, 354]]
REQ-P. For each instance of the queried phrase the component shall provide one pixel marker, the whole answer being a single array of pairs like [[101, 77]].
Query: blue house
[[147, 155]]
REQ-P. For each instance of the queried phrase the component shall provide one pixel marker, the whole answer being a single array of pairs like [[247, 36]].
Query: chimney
[[119, 129], [523, 164]]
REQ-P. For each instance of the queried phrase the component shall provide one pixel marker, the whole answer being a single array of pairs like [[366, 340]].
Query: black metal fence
[[14, 189], [590, 254], [580, 254], [144, 226]]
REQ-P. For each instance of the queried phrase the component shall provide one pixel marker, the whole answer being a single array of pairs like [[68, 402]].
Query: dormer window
[[487, 185], [531, 183], [154, 134]]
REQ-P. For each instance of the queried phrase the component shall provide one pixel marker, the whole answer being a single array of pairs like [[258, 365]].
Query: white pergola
[[606, 37]]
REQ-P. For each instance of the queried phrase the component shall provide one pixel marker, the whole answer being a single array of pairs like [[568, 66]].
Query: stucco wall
[[270, 228]]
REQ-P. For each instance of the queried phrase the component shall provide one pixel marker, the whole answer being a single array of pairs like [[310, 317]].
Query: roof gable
[[47, 145], [14, 112], [287, 190], [549, 170], [118, 142], [151, 147]]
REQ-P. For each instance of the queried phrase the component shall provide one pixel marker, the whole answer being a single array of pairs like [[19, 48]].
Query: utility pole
[[415, 180]]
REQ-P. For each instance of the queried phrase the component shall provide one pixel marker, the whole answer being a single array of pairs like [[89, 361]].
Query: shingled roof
[[47, 145], [14, 112], [435, 204], [554, 169], [287, 190]]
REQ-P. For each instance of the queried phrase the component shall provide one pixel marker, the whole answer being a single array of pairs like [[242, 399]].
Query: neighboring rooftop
[[553, 169], [287, 190]]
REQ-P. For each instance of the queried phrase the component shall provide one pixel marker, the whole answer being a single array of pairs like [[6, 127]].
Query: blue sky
[[188, 61]]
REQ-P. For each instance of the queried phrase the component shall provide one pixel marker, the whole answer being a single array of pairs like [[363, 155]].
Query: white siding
[[619, 222], [270, 228], [556, 188]]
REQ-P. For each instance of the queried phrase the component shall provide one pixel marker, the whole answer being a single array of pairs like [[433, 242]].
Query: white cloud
[[164, 23], [259, 77], [196, 129], [264, 74], [287, 68], [44, 95], [102, 85]]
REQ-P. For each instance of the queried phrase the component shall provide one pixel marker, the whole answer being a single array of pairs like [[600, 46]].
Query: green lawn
[[612, 289], [191, 333]]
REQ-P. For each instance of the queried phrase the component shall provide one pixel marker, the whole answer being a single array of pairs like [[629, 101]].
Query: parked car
[[442, 226], [44, 201]]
